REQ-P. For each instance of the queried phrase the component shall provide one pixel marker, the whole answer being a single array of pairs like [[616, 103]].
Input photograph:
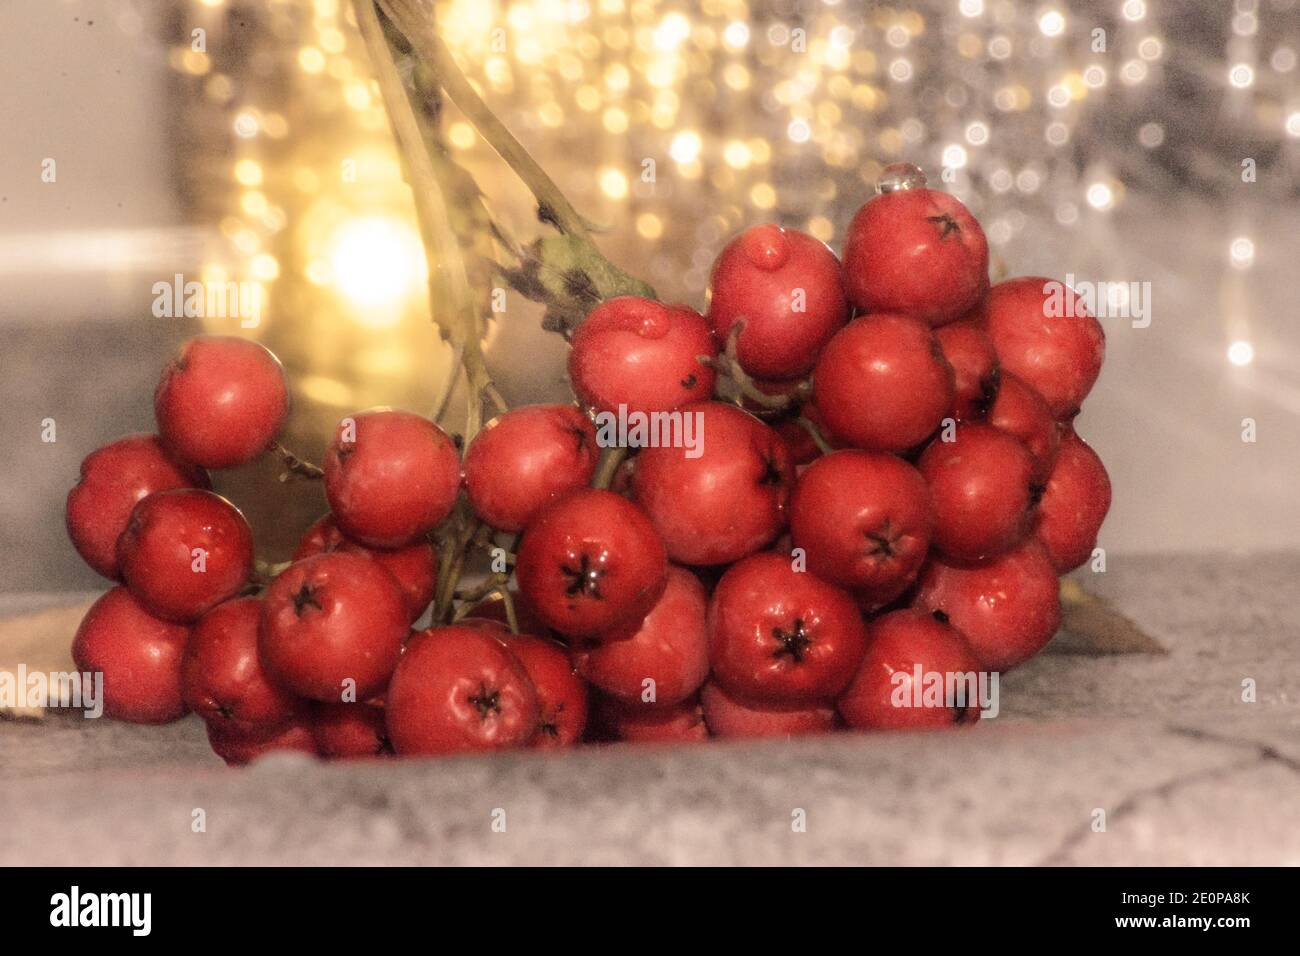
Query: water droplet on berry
[[899, 176]]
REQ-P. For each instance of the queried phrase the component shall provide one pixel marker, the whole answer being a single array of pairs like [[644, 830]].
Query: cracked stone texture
[[1185, 772]]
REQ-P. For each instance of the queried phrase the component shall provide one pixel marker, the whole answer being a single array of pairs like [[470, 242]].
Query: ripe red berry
[[984, 487], [390, 477], [727, 502], [113, 479], [224, 681], [882, 383], [238, 748], [1018, 410], [916, 251], [591, 562], [886, 693], [969, 350], [350, 730], [414, 567], [139, 656], [184, 551], [777, 635], [1007, 609], [1074, 504], [1044, 335], [643, 354], [668, 653], [788, 289], [525, 458], [647, 723], [460, 689], [728, 716], [333, 618], [221, 401], [561, 695], [864, 520]]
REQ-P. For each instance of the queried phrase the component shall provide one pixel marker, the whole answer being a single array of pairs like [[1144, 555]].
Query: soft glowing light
[[672, 30], [376, 262], [799, 131], [1100, 196], [311, 59], [1151, 48], [1133, 72], [461, 135], [246, 125], [248, 173], [1094, 76], [737, 154], [1241, 251], [763, 195], [1051, 23], [1133, 10], [901, 70], [1151, 135], [1293, 125], [613, 183], [970, 8], [954, 156], [649, 226], [685, 147], [1283, 59], [1241, 75], [264, 267], [736, 35], [977, 134], [1241, 353]]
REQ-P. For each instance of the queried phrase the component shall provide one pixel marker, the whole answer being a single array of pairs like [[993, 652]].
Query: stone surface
[[1185, 772]]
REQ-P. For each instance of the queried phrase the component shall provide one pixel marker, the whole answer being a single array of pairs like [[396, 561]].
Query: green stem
[[416, 21], [446, 264], [610, 461]]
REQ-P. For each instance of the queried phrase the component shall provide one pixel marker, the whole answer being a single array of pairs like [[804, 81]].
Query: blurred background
[[242, 141]]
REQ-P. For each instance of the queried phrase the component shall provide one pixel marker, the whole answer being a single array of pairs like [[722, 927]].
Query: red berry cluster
[[892, 489]]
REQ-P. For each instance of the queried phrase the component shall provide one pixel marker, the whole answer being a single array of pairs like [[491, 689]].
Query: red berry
[[777, 635], [864, 520], [1008, 609], [591, 562], [350, 730], [643, 354], [1019, 410], [221, 401], [984, 487], [727, 502], [390, 477], [1074, 504], [916, 251], [886, 693], [648, 723], [561, 695], [185, 551], [524, 459], [728, 716], [969, 350], [460, 689], [113, 479], [239, 748], [882, 383], [1044, 335], [329, 619], [139, 656], [670, 648], [224, 681], [788, 289], [414, 567]]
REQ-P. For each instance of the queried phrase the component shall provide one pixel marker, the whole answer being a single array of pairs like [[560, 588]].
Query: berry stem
[[448, 281], [416, 22], [295, 466], [818, 438], [610, 461]]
